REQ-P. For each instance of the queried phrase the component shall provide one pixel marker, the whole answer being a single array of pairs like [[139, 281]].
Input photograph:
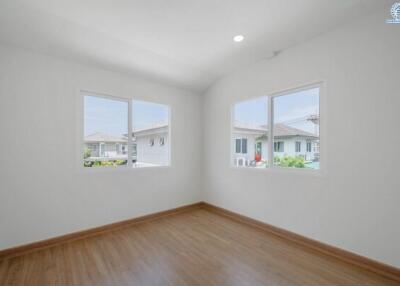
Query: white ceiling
[[186, 43]]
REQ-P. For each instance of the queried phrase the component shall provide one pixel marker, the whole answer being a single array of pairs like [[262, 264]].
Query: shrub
[[108, 163], [289, 161]]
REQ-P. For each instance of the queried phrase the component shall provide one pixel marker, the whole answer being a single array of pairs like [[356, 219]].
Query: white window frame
[[321, 85], [129, 100]]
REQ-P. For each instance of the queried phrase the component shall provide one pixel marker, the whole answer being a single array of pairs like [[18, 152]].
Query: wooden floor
[[192, 248]]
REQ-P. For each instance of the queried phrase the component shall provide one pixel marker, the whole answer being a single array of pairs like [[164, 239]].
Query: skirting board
[[23, 249], [344, 255]]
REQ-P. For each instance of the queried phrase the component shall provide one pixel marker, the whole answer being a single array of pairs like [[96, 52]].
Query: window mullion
[[270, 132], [130, 132]]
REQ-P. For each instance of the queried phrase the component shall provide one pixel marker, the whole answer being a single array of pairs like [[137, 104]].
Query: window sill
[[282, 170], [118, 169]]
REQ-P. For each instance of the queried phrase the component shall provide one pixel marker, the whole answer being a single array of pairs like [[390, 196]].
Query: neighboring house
[[150, 146], [105, 147], [250, 143]]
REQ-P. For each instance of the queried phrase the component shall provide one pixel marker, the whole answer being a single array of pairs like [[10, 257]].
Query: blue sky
[[147, 113], [288, 109], [253, 112], [111, 116]]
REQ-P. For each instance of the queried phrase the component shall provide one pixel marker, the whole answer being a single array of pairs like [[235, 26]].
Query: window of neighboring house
[[110, 140], [316, 147], [92, 149], [298, 146], [102, 149], [292, 114], [244, 146], [308, 146], [151, 121], [241, 146], [249, 130], [279, 146], [134, 151], [238, 148]]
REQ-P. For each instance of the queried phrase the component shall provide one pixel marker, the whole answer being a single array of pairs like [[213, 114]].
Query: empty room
[[200, 142]]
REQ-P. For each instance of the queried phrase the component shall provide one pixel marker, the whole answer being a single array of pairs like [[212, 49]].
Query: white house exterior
[[150, 146], [250, 143], [105, 147]]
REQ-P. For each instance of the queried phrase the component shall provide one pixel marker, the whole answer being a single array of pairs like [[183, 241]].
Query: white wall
[[355, 204], [43, 193]]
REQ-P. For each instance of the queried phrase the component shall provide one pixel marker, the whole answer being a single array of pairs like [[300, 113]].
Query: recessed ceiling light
[[238, 38]]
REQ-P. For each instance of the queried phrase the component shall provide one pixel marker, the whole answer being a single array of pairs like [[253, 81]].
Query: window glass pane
[[250, 131], [244, 146], [279, 146], [296, 121], [105, 132], [308, 146], [238, 146], [150, 123], [298, 146]]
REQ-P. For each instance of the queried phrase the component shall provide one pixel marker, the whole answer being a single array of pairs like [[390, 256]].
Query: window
[[249, 133], [102, 149], [241, 146], [105, 125], [295, 120], [238, 146], [298, 146], [279, 146], [308, 146], [109, 140], [150, 123], [244, 146]]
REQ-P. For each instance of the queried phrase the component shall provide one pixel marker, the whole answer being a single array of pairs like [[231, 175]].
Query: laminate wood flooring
[[196, 247]]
